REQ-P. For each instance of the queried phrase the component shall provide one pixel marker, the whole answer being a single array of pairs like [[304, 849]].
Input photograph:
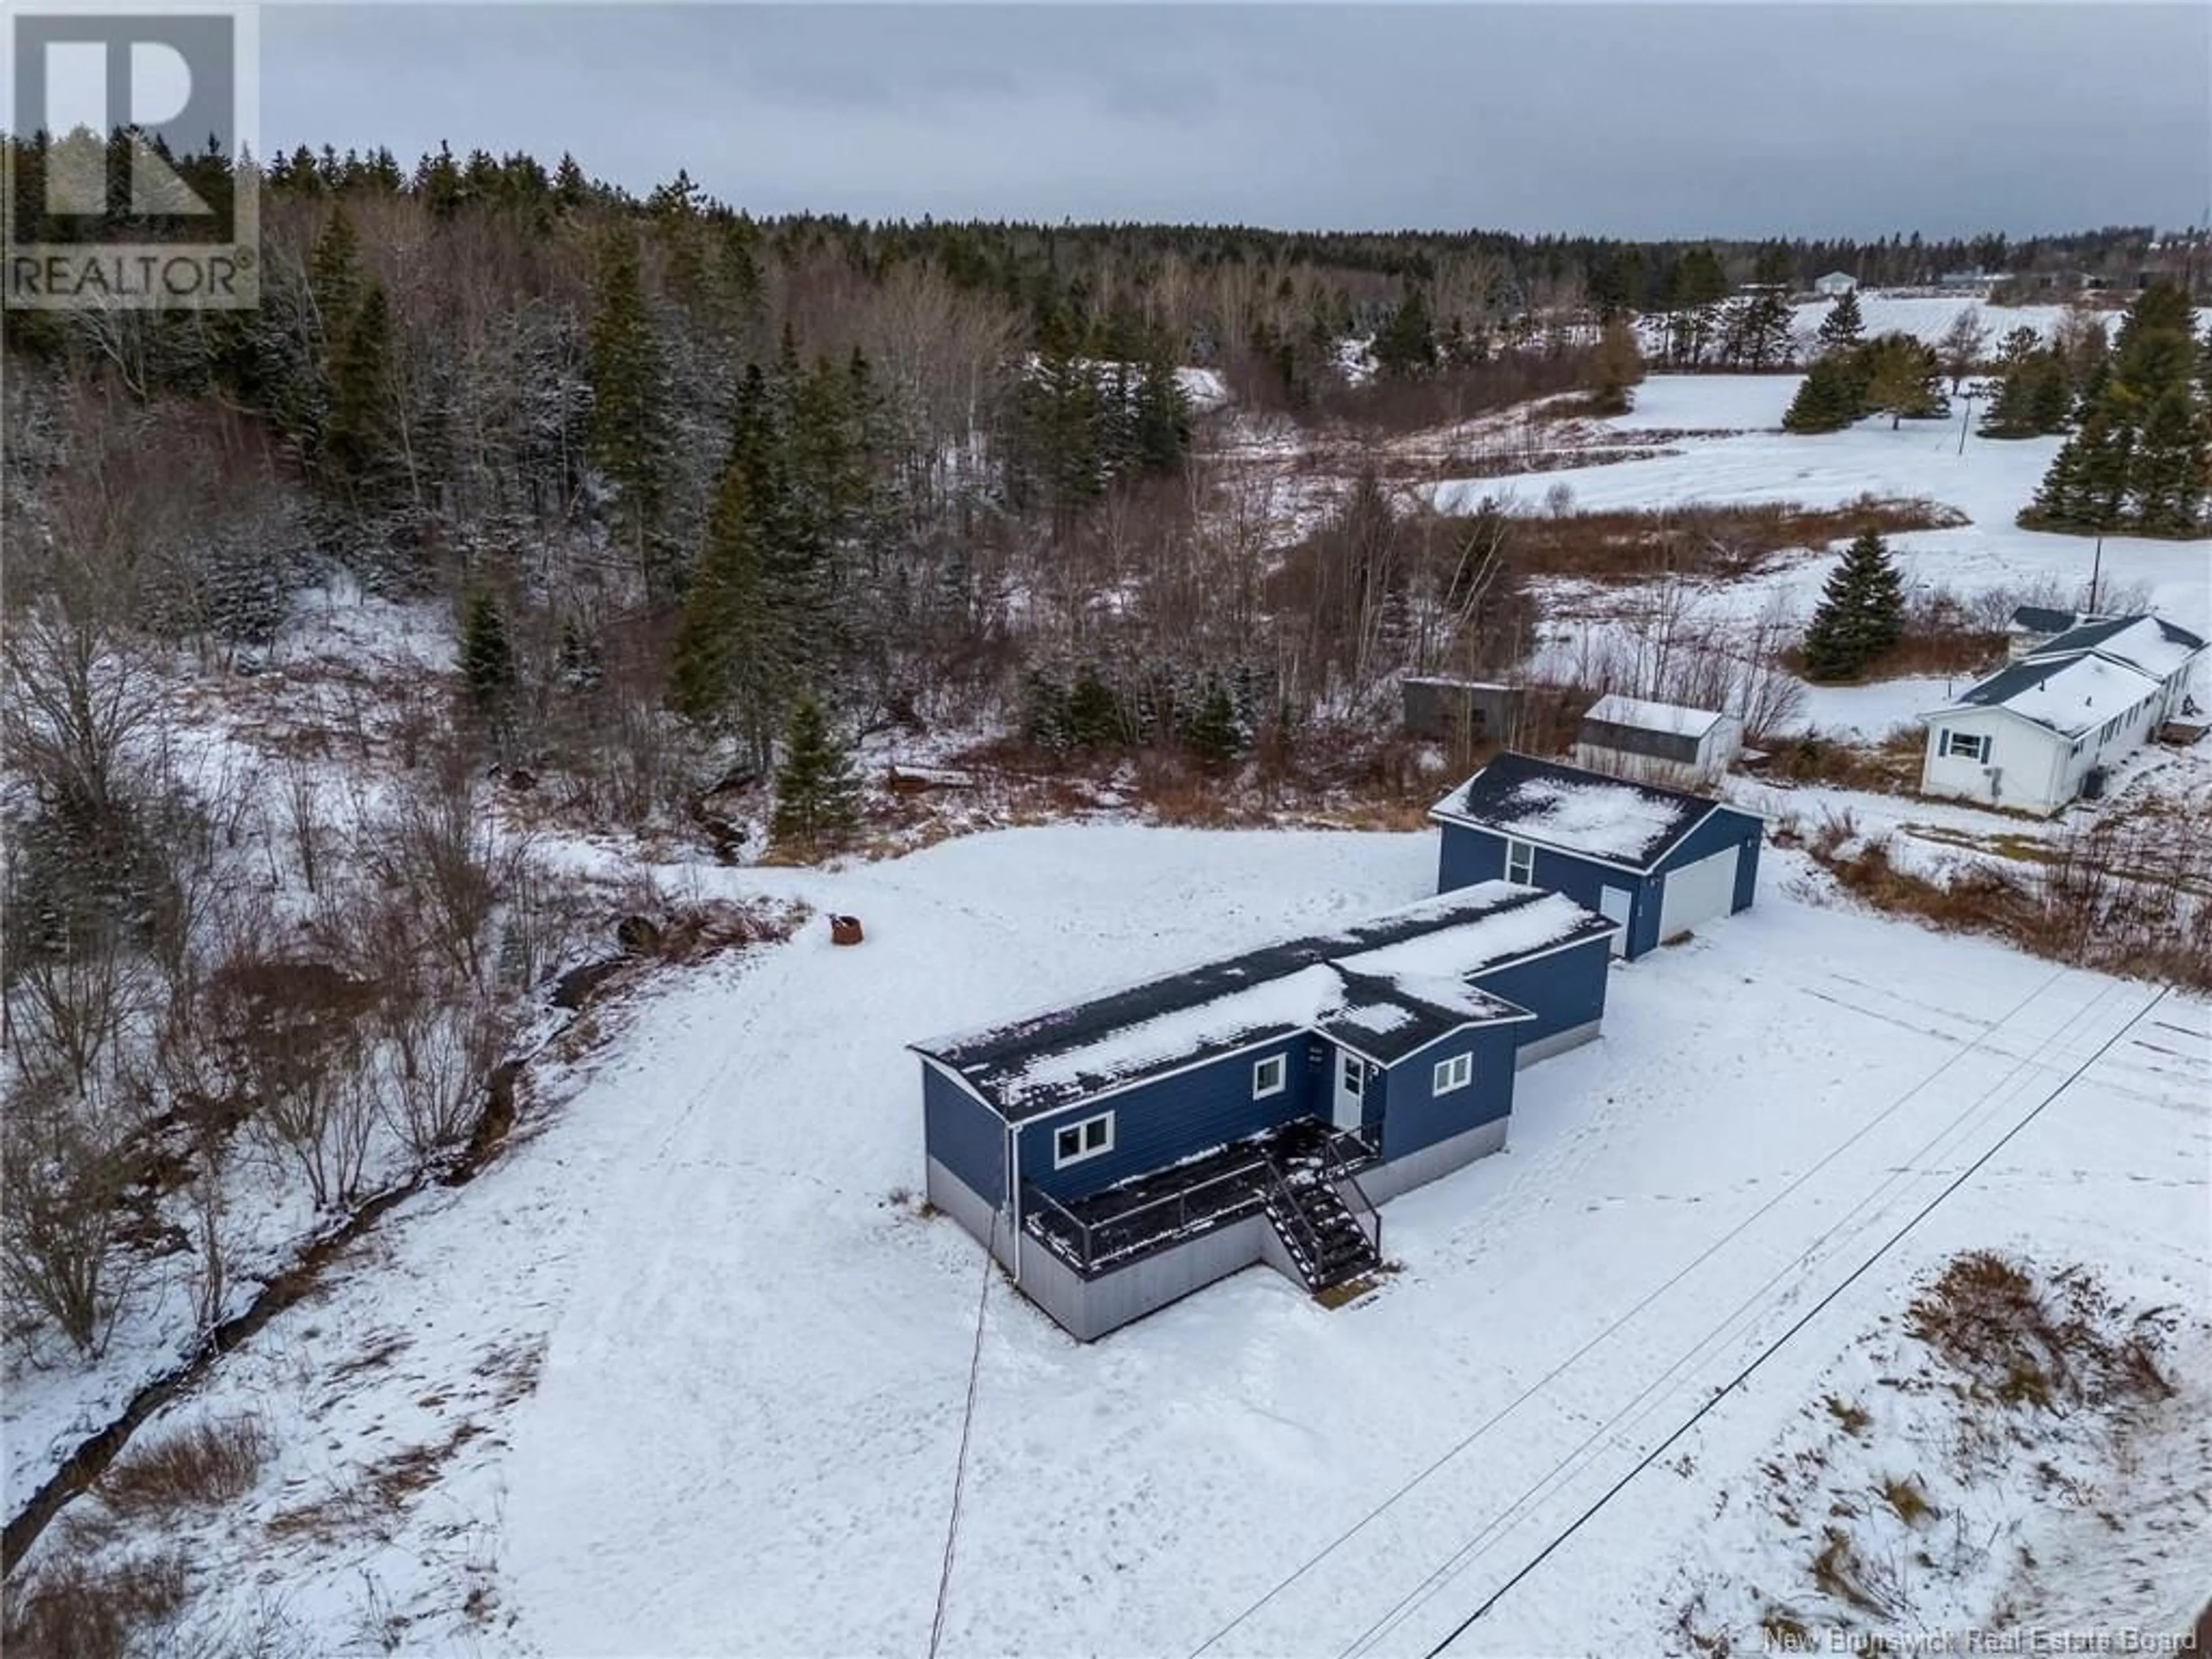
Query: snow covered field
[[689, 1367]]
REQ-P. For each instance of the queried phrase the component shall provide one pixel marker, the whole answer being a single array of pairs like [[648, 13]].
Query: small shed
[[1660, 742], [1835, 282], [1460, 711], [1658, 862]]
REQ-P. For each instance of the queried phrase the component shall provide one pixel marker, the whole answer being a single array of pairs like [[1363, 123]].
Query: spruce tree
[[718, 671], [1406, 345], [1861, 614], [2140, 457], [359, 453], [488, 662], [1161, 431], [818, 799], [1094, 713], [1828, 398], [1842, 329], [1901, 376], [628, 431], [1212, 735]]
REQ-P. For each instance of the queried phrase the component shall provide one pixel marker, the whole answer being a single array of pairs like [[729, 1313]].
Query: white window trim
[[1262, 1090], [1522, 853], [1350, 1075], [1966, 745], [1450, 1076], [1080, 1129]]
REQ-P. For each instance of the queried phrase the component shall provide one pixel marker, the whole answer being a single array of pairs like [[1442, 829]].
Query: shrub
[[211, 1463]]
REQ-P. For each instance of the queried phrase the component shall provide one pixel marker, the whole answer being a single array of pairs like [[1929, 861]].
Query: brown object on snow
[[844, 930]]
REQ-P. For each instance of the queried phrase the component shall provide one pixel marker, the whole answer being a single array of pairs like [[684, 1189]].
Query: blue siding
[[1562, 990], [1471, 855], [1420, 1117], [964, 1134], [1171, 1118]]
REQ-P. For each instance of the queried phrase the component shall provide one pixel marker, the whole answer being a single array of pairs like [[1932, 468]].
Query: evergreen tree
[[719, 670], [2033, 397], [1406, 345], [817, 800], [1094, 713], [486, 657], [1212, 735], [2142, 455], [1828, 398], [629, 433], [1901, 376], [359, 452], [1162, 434], [1861, 614], [1842, 329], [1045, 719]]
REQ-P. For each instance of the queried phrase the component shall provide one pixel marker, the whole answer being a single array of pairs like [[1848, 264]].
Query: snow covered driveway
[[744, 1433]]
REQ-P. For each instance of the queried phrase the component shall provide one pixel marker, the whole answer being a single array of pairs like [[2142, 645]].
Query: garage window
[[1268, 1077], [1520, 862], [1967, 745], [1454, 1074], [1078, 1141]]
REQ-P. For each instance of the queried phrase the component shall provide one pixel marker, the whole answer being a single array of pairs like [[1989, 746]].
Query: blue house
[[1120, 1153], [1657, 862]]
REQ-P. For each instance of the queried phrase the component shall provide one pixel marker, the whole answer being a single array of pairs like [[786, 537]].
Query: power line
[[967, 1424], [1810, 1314], [1654, 1391], [1606, 1333]]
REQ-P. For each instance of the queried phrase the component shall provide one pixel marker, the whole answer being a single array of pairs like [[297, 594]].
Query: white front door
[[1613, 903], [1351, 1089]]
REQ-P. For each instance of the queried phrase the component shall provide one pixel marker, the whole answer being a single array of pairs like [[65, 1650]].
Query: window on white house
[[1967, 745], [1268, 1077], [1520, 862], [1074, 1142], [1454, 1074]]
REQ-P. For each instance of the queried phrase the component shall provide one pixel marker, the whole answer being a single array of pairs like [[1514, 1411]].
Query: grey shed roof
[[1383, 989], [2042, 619], [1577, 811]]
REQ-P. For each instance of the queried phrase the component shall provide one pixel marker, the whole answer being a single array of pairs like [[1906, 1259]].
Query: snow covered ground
[[687, 1367]]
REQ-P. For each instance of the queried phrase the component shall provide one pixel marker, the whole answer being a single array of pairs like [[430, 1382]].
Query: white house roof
[[2156, 648], [1670, 718]]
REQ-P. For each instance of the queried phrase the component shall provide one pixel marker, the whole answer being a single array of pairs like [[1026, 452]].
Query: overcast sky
[[1637, 120]]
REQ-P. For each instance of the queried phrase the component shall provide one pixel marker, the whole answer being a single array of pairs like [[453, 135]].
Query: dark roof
[[1384, 987], [2008, 682], [1576, 809], [2042, 619], [2091, 635]]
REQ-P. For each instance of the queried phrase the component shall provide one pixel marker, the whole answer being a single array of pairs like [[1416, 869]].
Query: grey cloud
[[1640, 119]]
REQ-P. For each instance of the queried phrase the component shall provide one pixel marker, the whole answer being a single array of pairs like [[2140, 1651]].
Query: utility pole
[[1965, 420], [2096, 568]]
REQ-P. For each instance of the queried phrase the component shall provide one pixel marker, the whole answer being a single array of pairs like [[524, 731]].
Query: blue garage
[[1658, 862]]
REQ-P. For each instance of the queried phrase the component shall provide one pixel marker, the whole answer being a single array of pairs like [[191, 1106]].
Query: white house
[[2044, 730], [1657, 742], [1835, 282]]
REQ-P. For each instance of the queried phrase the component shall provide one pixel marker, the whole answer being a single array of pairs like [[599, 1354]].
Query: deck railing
[[1226, 1195]]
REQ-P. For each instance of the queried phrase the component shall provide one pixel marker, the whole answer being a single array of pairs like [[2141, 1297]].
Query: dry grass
[[73, 1609], [208, 1464], [1715, 541], [2052, 1342], [1851, 1417], [1890, 767], [1907, 1501]]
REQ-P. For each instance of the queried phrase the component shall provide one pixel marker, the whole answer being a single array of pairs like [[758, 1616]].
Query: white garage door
[[1698, 892]]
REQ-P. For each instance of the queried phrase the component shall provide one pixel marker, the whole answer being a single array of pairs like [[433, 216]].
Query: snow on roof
[[2085, 676], [1575, 810], [2155, 647], [1672, 719], [1384, 987]]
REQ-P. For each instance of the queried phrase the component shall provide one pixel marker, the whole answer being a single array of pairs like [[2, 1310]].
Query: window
[[1454, 1074], [1520, 862], [1967, 745], [1078, 1141], [1267, 1077], [1351, 1075]]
